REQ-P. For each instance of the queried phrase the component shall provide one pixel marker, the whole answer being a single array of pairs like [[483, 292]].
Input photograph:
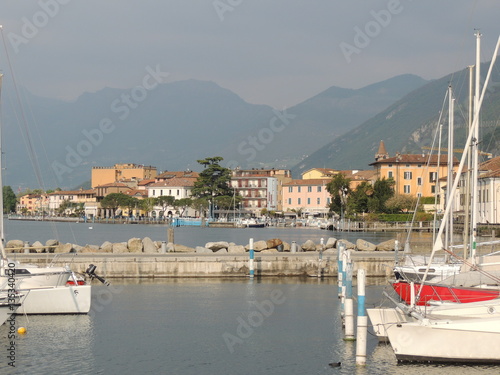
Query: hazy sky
[[276, 52]]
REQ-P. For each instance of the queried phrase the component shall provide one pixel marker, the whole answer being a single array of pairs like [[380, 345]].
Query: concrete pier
[[376, 264]]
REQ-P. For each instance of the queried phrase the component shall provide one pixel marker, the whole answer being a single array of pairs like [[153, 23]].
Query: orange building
[[106, 175], [413, 174]]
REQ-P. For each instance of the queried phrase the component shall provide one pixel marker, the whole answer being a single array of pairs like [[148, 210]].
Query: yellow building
[[413, 174], [106, 175], [319, 173]]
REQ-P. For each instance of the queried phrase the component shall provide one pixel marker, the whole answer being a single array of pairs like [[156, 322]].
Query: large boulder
[[181, 249], [50, 245], [89, 249], [221, 251], [149, 246], [63, 248], [120, 248], [330, 243], [214, 246], [388, 245], [363, 245], [236, 249], [134, 245], [257, 246], [203, 250], [14, 246], [273, 243], [106, 247], [37, 247], [309, 246], [286, 246]]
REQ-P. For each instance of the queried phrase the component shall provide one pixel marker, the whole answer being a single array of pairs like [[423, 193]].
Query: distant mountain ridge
[[177, 124], [410, 124]]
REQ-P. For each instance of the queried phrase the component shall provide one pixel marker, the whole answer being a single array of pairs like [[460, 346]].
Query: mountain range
[[174, 125]]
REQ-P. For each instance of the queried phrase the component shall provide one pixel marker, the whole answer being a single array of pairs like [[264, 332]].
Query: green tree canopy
[[339, 189], [213, 181], [9, 200]]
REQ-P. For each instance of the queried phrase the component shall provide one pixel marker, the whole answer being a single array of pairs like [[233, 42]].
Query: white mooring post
[[320, 259], [344, 279], [349, 304], [340, 251], [250, 262], [362, 321]]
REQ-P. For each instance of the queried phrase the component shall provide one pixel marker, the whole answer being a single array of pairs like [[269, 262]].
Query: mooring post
[[340, 250], [250, 262], [362, 321], [320, 258], [349, 304]]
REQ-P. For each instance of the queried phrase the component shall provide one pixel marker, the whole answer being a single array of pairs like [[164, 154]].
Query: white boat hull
[[58, 300], [5, 313], [473, 340]]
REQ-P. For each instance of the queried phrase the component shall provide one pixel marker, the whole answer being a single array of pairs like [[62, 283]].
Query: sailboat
[[46, 289], [461, 337]]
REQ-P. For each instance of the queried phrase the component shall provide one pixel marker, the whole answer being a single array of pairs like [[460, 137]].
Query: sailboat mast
[[2, 237], [469, 165], [475, 155], [449, 178]]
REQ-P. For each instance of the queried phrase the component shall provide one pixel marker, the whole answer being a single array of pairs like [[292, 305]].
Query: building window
[[290, 189], [318, 201], [298, 201], [432, 176], [319, 189], [309, 189], [327, 200], [289, 201], [433, 189], [308, 201], [390, 165], [419, 181], [407, 189], [298, 189], [389, 174], [407, 175]]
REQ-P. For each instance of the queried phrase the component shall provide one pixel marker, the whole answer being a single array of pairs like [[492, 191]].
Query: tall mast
[[467, 197], [449, 179], [475, 156], [2, 239]]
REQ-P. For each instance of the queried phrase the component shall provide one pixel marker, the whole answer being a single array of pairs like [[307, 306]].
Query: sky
[[274, 52]]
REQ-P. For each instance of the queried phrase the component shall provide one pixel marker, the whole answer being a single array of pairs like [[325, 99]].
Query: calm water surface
[[194, 326], [200, 326]]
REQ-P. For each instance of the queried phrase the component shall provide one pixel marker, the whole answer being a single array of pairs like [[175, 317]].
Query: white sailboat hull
[[384, 318], [74, 299], [474, 340]]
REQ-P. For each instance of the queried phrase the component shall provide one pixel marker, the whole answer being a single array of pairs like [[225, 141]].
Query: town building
[[413, 174], [33, 204], [119, 172], [260, 188], [76, 201], [309, 196]]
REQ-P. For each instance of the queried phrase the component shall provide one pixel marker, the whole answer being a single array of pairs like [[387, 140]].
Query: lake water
[[96, 234], [199, 326]]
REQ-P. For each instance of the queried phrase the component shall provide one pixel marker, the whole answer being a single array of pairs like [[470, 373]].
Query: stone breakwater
[[148, 246]]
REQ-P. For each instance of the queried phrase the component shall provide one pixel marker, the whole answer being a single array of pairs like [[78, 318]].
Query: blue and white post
[[362, 321], [320, 258], [340, 251], [349, 304], [250, 262]]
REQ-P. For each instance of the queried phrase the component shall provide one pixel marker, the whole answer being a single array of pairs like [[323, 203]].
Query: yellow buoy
[[21, 330]]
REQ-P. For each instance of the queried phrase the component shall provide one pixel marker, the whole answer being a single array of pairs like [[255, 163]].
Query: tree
[[401, 203], [214, 180], [339, 189], [115, 200], [165, 201], [183, 204], [200, 205], [382, 191], [147, 204], [9, 200], [359, 198]]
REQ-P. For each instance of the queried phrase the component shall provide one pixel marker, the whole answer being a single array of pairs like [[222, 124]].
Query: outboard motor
[[91, 273]]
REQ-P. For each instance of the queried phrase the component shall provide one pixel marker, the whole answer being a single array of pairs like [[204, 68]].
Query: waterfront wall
[[377, 264]]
